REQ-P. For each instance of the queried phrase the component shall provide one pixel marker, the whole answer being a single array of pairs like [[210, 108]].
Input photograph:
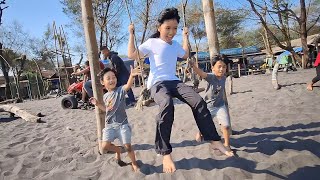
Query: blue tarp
[[284, 58], [231, 52]]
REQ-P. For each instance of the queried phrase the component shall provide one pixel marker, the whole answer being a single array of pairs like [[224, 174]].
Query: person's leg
[[88, 88], [200, 111], [83, 95], [213, 111], [109, 134], [224, 121], [275, 77], [201, 114], [160, 93], [125, 139], [132, 157], [315, 79]]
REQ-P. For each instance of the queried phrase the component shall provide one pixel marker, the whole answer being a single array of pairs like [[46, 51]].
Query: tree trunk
[[265, 35], [20, 112], [92, 51], [303, 34], [146, 21], [211, 30], [5, 74]]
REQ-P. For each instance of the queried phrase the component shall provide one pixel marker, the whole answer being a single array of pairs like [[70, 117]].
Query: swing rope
[[188, 67], [145, 93], [135, 43]]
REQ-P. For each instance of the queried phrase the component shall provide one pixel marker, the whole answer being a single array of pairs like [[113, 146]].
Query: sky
[[35, 15]]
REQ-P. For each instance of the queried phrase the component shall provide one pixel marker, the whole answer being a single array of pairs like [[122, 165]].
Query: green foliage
[[229, 25]]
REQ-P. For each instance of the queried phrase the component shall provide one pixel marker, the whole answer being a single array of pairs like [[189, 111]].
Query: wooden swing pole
[[66, 42], [211, 30], [61, 45], [93, 56], [58, 64]]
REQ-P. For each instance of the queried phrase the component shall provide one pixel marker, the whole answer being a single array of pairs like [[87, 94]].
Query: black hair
[[103, 48], [167, 14], [105, 71], [216, 59], [87, 63]]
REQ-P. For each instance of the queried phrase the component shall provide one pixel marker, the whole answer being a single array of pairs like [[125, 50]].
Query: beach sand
[[276, 136]]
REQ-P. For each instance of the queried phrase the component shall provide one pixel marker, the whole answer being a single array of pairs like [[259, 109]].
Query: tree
[[14, 41], [195, 23], [1, 9], [107, 16], [229, 25], [281, 13]]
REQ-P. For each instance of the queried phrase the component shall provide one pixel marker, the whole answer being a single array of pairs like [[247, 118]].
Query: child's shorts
[[116, 130], [221, 114]]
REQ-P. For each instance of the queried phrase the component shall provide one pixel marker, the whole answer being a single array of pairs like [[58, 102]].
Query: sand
[[276, 136]]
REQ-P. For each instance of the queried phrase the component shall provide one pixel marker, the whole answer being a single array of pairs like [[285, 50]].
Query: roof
[[232, 52], [48, 73], [296, 43]]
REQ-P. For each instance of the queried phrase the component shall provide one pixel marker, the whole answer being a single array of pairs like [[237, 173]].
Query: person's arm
[[95, 102], [185, 42], [132, 51], [134, 72], [201, 73], [84, 71]]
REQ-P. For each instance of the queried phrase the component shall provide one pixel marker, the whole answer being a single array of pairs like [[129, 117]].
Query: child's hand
[[93, 101], [185, 32], [190, 63], [135, 71], [131, 28]]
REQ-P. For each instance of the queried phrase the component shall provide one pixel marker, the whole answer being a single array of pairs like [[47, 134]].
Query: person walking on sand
[[215, 97], [317, 78], [116, 121], [164, 85]]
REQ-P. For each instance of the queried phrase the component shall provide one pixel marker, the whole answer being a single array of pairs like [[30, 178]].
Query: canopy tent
[[285, 57], [230, 52]]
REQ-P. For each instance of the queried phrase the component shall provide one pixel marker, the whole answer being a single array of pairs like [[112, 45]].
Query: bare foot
[[309, 87], [168, 164], [135, 167], [227, 147], [218, 145], [199, 137]]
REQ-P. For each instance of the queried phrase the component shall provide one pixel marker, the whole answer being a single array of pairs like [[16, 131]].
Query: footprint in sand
[[74, 150], [7, 173], [46, 159], [67, 160], [90, 158], [18, 141]]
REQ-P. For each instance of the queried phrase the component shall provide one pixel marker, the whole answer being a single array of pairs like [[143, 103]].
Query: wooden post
[[211, 30], [58, 64], [93, 56]]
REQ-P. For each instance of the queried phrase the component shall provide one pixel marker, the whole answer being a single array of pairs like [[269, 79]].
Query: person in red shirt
[[317, 78], [88, 84]]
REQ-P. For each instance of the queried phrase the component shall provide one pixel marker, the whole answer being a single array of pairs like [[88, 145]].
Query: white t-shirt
[[163, 59]]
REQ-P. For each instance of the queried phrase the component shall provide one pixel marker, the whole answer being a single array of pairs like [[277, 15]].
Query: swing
[[145, 96]]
